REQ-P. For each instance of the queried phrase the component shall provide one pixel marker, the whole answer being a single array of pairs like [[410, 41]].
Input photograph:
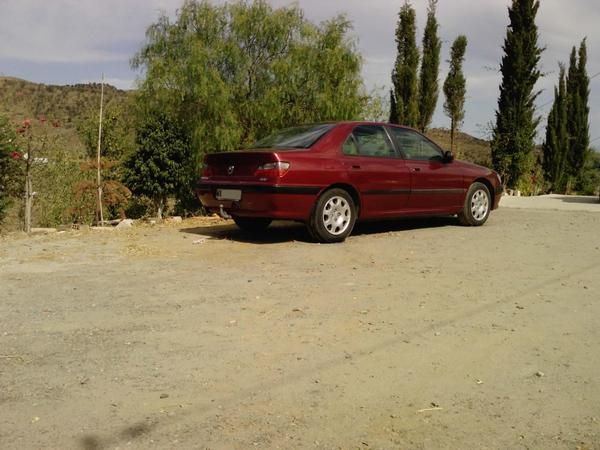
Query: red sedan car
[[330, 175]]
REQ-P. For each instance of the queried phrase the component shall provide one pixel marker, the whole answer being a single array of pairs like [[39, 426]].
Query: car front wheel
[[333, 217], [476, 209]]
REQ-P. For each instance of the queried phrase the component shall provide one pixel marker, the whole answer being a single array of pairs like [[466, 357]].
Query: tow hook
[[223, 214]]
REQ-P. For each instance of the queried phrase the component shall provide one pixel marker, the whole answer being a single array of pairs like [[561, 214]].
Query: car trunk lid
[[239, 166]]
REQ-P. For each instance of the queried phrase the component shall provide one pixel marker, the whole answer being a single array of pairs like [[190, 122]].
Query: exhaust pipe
[[223, 214]]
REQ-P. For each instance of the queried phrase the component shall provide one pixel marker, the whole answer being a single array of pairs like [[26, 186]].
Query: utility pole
[[28, 184], [100, 215]]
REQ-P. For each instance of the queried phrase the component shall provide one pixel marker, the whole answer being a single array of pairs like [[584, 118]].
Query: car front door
[[437, 184], [375, 169]]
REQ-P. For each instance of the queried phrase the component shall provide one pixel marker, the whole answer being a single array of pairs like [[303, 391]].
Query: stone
[[124, 224]]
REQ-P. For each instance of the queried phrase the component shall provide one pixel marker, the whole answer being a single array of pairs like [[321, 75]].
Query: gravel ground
[[412, 334], [554, 202]]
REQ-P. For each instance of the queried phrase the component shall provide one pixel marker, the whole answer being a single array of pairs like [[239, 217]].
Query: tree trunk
[[160, 204], [452, 129]]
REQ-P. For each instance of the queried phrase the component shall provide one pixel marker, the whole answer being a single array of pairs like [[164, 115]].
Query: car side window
[[416, 147], [368, 140], [350, 147]]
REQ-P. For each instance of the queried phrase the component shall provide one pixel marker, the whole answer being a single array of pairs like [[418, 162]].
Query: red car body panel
[[382, 187]]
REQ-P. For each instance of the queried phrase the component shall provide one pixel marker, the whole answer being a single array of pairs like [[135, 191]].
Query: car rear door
[[437, 185], [375, 169]]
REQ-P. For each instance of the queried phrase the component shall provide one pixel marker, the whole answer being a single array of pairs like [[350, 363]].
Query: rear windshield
[[298, 137]]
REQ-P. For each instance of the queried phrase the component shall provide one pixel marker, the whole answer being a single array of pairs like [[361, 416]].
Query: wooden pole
[[100, 216]]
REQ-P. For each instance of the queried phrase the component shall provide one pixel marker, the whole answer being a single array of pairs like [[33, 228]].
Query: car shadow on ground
[[578, 199], [281, 232]]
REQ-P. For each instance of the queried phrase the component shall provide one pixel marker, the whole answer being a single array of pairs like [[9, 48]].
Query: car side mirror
[[448, 157]]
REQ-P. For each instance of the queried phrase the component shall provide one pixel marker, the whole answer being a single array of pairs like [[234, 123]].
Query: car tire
[[333, 217], [252, 224], [477, 207]]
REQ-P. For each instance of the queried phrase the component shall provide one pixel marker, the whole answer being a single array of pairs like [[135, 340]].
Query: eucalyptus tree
[[231, 73]]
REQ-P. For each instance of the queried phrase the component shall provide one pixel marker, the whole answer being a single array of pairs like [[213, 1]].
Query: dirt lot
[[411, 335]]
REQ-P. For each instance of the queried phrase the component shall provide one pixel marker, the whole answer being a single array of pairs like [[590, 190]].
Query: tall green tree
[[515, 129], [8, 166], [161, 164], [404, 75], [556, 144], [430, 67], [232, 73], [578, 91], [455, 88], [118, 130]]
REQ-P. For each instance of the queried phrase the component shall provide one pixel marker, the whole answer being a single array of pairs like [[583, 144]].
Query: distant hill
[[468, 147], [70, 105]]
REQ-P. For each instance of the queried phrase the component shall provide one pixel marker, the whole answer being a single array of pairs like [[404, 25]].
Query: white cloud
[[75, 31]]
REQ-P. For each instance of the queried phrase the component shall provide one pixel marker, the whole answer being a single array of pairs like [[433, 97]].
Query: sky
[[75, 41]]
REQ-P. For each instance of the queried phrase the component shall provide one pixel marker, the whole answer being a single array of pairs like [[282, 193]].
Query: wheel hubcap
[[480, 204], [336, 215]]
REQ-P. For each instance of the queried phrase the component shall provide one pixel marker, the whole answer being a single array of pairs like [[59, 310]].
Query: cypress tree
[[578, 91], [515, 130], [556, 144], [404, 76], [455, 87], [430, 66]]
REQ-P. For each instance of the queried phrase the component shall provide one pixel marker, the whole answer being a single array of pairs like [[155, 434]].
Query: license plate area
[[234, 195]]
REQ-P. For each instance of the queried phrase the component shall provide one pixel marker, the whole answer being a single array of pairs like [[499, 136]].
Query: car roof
[[366, 122]]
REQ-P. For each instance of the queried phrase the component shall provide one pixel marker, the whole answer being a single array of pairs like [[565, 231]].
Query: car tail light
[[206, 173], [279, 168]]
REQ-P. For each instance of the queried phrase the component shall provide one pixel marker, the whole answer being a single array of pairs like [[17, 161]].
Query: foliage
[[68, 106], [8, 166], [404, 76], [232, 73], [118, 125], [53, 186], [84, 203], [515, 130], [71, 133], [566, 148], [376, 106], [47, 170], [455, 87], [589, 180], [162, 164], [430, 67], [556, 145], [578, 91]]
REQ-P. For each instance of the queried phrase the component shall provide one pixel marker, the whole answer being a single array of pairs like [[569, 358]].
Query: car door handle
[[415, 169], [356, 167]]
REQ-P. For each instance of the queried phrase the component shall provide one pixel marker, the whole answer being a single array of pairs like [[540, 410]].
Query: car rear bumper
[[261, 200]]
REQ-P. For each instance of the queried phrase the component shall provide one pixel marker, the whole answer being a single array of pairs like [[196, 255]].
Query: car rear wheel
[[476, 209], [252, 224], [333, 217]]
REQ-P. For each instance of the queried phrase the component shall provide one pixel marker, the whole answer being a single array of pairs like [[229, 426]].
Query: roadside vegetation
[[219, 77]]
